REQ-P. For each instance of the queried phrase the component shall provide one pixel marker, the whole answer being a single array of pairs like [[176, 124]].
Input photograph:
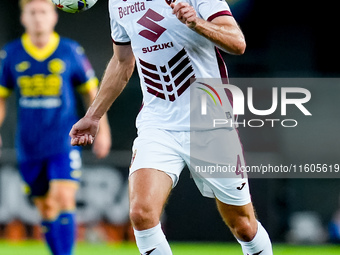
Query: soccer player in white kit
[[173, 44]]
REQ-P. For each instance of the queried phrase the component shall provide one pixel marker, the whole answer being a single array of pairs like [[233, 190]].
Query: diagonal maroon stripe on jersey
[[185, 74], [155, 93], [166, 78], [163, 69], [172, 97], [180, 67], [173, 88], [185, 86], [151, 75], [152, 83], [177, 57], [169, 88], [148, 65]]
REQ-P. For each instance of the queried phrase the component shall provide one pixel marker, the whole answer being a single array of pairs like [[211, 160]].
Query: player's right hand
[[84, 131]]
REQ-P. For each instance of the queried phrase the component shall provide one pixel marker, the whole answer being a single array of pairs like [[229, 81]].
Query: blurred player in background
[[45, 71], [172, 43]]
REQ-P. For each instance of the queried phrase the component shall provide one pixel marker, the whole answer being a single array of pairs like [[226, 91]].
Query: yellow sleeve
[[87, 86], [5, 92]]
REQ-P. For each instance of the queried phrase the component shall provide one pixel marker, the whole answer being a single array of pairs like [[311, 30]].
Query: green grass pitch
[[38, 248]]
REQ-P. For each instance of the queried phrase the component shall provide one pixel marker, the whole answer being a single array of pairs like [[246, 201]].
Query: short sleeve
[[210, 9], [118, 33], [83, 77], [6, 79]]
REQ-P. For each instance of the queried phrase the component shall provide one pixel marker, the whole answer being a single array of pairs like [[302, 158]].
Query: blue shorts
[[38, 174]]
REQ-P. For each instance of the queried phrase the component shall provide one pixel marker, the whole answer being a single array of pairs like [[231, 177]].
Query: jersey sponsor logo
[[40, 103], [56, 66], [23, 66], [154, 30], [158, 47], [168, 82], [40, 85], [130, 9]]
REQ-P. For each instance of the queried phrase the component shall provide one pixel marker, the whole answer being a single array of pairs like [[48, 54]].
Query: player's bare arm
[[2, 116], [222, 30], [102, 145], [117, 75]]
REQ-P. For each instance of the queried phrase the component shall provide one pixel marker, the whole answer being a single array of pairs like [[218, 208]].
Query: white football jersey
[[168, 56]]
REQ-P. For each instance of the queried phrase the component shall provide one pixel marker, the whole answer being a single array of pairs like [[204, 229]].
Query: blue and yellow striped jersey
[[44, 81]]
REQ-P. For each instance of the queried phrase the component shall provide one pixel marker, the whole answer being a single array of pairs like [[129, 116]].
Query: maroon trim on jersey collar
[[121, 43], [221, 13]]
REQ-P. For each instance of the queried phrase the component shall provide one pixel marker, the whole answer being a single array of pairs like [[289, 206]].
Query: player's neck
[[40, 40]]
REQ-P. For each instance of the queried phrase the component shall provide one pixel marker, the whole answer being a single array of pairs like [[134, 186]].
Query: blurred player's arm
[[117, 75], [2, 115], [222, 30], [102, 145]]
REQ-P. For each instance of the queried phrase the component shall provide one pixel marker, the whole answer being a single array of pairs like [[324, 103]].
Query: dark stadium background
[[285, 40]]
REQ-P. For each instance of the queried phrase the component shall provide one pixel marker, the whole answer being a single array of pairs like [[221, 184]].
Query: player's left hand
[[185, 13]]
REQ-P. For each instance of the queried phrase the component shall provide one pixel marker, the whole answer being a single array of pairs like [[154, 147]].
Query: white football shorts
[[214, 158]]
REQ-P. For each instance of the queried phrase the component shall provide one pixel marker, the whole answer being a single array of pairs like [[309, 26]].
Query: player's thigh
[[157, 149], [155, 168], [149, 187], [148, 191]]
